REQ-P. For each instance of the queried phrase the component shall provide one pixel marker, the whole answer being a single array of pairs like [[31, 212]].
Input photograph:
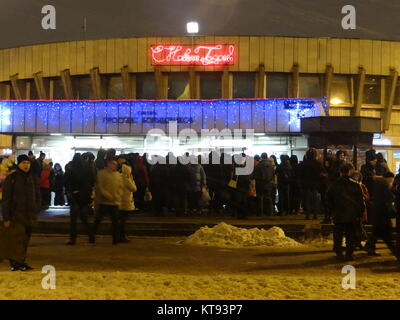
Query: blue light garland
[[140, 116]]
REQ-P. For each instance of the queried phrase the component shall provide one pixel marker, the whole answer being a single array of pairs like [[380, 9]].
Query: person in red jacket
[[45, 179]]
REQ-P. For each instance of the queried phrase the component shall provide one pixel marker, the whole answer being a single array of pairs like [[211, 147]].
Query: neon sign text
[[198, 55]]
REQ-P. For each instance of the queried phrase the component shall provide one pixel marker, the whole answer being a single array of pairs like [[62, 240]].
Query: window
[[341, 89], [178, 85], [277, 85], [6, 91], [145, 86], [58, 90], [33, 94], [115, 88], [83, 88], [244, 84], [372, 90], [310, 86], [210, 85]]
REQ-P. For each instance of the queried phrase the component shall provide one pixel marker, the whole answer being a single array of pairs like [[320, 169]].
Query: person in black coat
[[381, 213], [21, 204], [79, 182], [284, 174], [240, 199], [58, 185], [368, 170], [295, 186], [346, 206], [264, 174], [311, 174], [179, 184], [159, 177]]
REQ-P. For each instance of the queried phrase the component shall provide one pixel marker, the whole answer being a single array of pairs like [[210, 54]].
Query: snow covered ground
[[167, 268]]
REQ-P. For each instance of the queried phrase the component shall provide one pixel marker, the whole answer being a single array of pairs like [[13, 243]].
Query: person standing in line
[[346, 204], [197, 183], [242, 190], [142, 182], [108, 197], [21, 204], [59, 185], [79, 182], [284, 174], [311, 174], [295, 186], [381, 167], [127, 204], [368, 170], [46, 176], [264, 176]]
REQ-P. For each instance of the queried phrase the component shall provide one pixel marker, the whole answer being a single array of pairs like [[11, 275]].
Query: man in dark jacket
[[368, 171], [79, 182], [381, 213], [284, 173], [346, 205], [21, 203], [264, 176], [311, 172]]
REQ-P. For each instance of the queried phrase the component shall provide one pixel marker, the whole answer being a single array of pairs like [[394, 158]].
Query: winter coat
[[129, 186], [368, 173], [381, 168], [197, 177], [381, 203], [310, 174], [21, 198], [108, 187], [345, 201], [159, 175], [179, 178], [142, 178], [59, 181], [264, 174], [284, 173], [79, 182]]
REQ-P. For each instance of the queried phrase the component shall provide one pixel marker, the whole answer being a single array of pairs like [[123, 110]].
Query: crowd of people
[[116, 185]]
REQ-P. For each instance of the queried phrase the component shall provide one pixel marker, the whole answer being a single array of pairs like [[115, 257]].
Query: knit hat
[[370, 155], [21, 158]]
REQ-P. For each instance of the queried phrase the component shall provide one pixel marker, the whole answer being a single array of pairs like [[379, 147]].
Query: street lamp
[[192, 27]]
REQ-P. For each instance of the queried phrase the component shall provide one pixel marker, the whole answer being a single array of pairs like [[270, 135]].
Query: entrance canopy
[[347, 131], [140, 116]]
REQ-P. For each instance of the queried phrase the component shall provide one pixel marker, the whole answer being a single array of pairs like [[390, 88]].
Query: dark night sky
[[20, 20]]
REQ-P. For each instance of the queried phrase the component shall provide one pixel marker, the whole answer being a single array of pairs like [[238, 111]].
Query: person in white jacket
[[127, 203]]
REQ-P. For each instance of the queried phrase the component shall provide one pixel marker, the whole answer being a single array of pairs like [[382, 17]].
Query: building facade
[[358, 77]]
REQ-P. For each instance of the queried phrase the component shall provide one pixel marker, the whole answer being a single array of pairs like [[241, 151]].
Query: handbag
[[148, 196], [233, 183], [12, 242], [205, 197], [252, 188]]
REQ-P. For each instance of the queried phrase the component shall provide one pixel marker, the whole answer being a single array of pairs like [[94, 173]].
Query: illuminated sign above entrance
[[197, 55]]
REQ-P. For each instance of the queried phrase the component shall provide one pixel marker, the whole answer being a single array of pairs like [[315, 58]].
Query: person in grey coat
[[21, 204]]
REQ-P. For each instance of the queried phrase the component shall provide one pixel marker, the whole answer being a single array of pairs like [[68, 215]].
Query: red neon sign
[[198, 55]]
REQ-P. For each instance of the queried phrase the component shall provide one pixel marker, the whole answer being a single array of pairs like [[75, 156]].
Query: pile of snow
[[228, 236]]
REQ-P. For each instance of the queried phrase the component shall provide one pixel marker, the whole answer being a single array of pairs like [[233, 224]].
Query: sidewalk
[[56, 221]]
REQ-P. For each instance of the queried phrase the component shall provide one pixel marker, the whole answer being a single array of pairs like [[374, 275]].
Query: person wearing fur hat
[[21, 203]]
